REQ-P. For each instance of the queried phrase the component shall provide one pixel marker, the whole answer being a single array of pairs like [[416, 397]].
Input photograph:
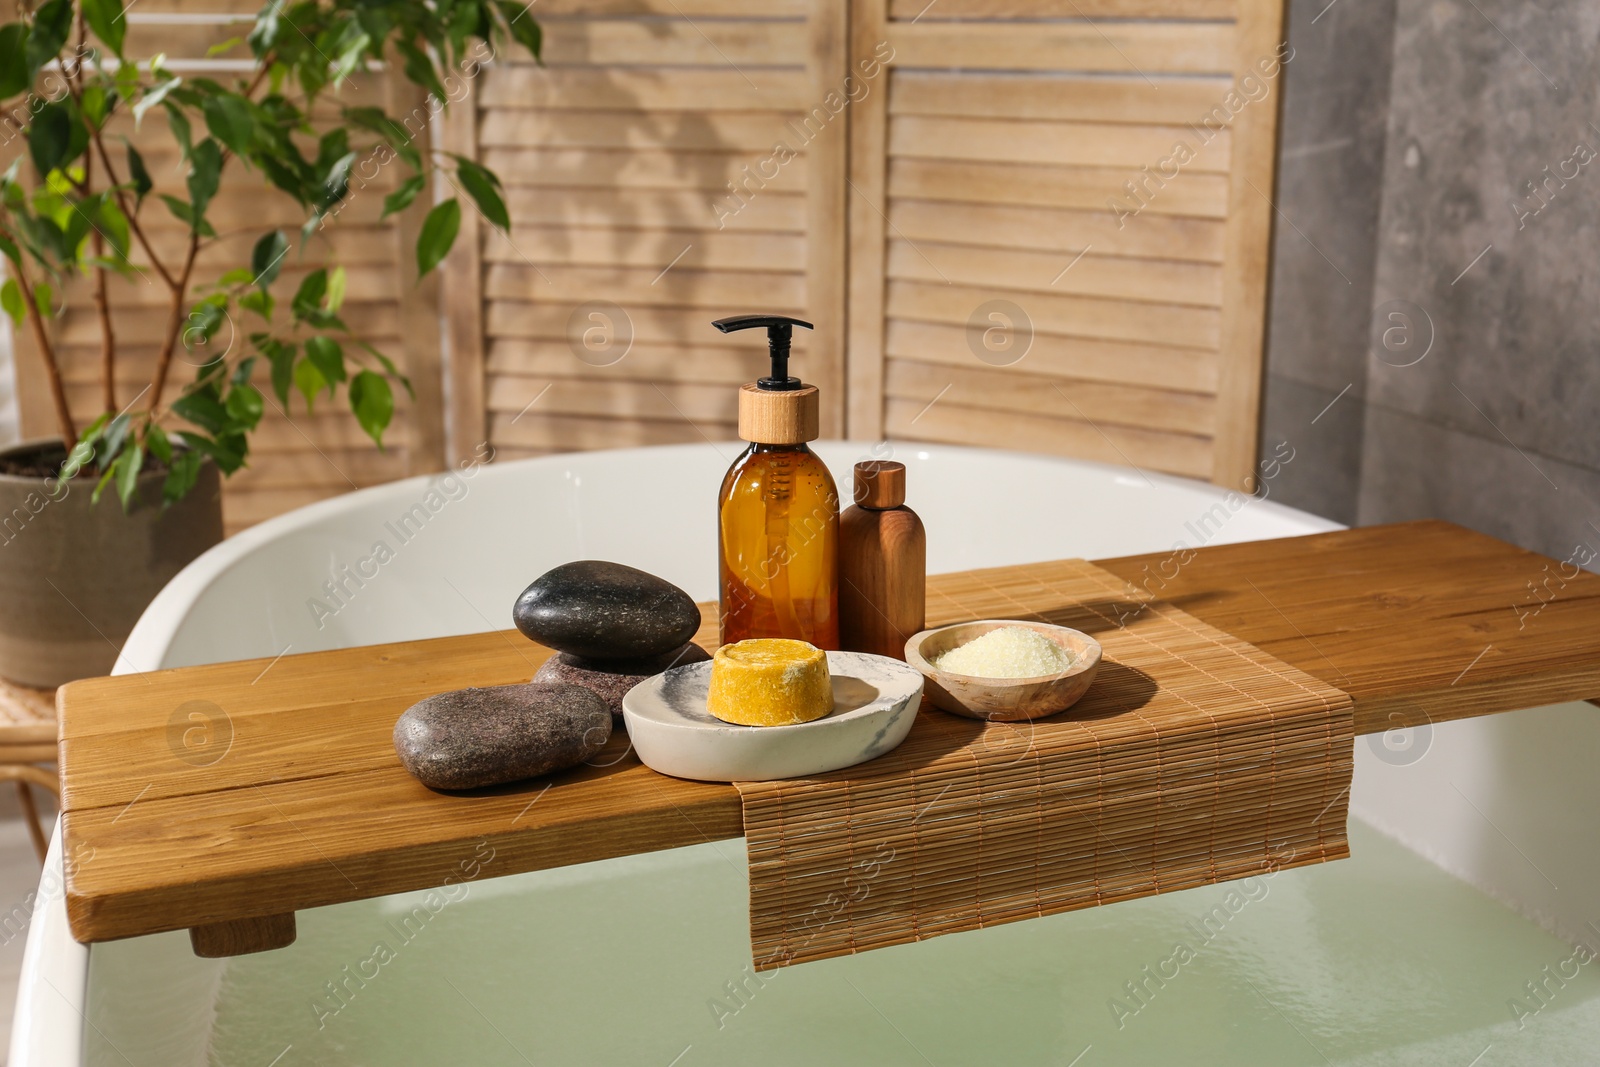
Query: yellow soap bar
[[769, 681]]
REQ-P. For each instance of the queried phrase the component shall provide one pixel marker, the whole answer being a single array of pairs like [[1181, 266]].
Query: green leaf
[[259, 301], [266, 259], [159, 444], [419, 68], [43, 299], [281, 355], [525, 30], [484, 188], [51, 24], [336, 283], [182, 473], [401, 198], [230, 121], [308, 298], [8, 247], [11, 300], [222, 47], [127, 471], [227, 449], [114, 225], [138, 175], [50, 137], [393, 133], [327, 356], [13, 59], [373, 403], [205, 173], [111, 442], [245, 405], [178, 126], [204, 410], [438, 234], [309, 381], [96, 104], [155, 95], [236, 277], [105, 18], [185, 214]]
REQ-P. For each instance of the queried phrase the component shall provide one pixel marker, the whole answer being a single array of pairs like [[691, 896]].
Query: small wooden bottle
[[883, 561]]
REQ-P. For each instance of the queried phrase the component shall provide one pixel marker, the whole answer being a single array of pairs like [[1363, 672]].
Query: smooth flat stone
[[600, 610], [875, 701], [610, 679], [476, 737]]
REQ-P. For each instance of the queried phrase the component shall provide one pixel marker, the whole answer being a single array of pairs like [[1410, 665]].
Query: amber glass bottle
[[778, 511], [778, 521]]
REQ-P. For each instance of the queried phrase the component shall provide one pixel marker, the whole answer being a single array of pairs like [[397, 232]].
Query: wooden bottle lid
[[880, 484], [773, 417]]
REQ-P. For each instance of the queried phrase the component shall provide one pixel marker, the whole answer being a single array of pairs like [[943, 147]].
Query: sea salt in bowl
[[1004, 699]]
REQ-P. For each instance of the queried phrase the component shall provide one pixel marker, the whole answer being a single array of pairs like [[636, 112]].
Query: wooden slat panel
[[1088, 188], [565, 433], [1117, 47], [645, 362], [708, 289], [679, 42], [632, 399], [509, 318], [1171, 101], [1147, 450], [768, 211], [608, 246], [1070, 316], [1009, 389], [1192, 370], [1159, 281], [915, 420], [524, 86], [1067, 232], [1063, 9], [635, 168], [742, 131], [1076, 143]]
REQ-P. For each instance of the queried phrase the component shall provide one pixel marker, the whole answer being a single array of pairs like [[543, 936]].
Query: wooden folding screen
[[1059, 223], [1030, 224], [665, 167], [296, 457]]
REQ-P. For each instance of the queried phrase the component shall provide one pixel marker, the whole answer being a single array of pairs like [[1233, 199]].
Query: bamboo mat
[[1195, 758]]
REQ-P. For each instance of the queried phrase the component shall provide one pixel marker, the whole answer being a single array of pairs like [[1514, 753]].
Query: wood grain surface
[[242, 790]]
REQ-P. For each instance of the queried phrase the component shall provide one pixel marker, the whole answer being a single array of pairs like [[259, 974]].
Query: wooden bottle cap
[[771, 417], [880, 484]]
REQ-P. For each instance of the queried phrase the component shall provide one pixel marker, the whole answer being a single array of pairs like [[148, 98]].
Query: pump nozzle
[[780, 329]]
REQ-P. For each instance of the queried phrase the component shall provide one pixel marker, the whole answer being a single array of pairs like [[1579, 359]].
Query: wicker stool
[[27, 739]]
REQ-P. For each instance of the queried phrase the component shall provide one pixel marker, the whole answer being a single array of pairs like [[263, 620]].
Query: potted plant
[[76, 572]]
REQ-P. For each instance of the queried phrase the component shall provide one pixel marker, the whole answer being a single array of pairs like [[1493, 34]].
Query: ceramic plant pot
[[74, 577]]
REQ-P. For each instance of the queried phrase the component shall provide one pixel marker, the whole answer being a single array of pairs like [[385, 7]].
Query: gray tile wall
[[1437, 253]]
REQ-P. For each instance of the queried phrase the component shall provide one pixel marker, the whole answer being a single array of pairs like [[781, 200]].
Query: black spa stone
[[476, 737], [611, 679], [599, 611]]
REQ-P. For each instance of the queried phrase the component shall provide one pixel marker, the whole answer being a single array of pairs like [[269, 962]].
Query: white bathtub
[[656, 973]]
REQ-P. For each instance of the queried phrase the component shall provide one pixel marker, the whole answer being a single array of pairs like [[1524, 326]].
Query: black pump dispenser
[[780, 330]]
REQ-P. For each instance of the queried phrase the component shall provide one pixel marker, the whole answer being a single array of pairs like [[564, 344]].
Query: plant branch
[[174, 324], [47, 352], [129, 214], [102, 304]]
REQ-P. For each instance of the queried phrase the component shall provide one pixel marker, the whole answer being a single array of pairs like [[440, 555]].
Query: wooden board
[[1040, 169], [245, 790]]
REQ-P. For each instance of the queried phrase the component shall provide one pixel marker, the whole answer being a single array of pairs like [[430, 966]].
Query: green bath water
[[1379, 959]]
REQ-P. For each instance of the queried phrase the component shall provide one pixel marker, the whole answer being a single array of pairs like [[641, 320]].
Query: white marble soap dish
[[875, 701]]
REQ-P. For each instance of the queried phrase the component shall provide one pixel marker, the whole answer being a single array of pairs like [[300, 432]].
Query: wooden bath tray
[[224, 798]]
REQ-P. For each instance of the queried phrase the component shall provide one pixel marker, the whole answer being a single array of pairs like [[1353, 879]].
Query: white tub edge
[[48, 1022]]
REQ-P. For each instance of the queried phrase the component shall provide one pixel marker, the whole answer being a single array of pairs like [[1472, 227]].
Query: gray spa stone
[[611, 679], [600, 610], [477, 737]]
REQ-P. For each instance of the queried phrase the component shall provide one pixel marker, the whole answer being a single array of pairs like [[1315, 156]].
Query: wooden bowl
[[1004, 699]]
